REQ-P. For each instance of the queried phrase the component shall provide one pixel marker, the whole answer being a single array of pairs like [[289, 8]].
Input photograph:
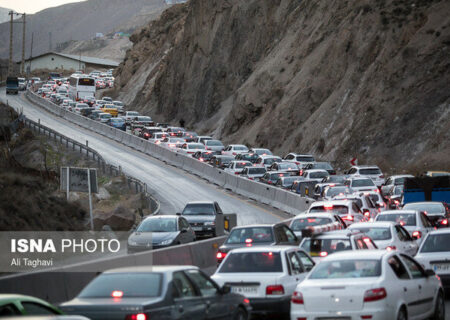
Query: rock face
[[334, 78]]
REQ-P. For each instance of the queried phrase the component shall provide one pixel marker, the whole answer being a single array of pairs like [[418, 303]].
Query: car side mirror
[[225, 289], [178, 213], [184, 230], [415, 237], [430, 272]]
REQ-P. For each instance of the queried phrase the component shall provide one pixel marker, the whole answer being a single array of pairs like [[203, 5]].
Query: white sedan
[[388, 235], [266, 275], [369, 284], [434, 253], [234, 149], [191, 148], [236, 167]]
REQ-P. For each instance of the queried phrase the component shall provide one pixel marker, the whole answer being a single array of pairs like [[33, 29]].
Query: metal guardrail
[[133, 184]]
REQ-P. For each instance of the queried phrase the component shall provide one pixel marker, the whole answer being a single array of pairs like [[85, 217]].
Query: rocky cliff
[[336, 78]]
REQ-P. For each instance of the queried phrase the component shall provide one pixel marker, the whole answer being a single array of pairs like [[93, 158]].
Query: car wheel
[[402, 314], [439, 309], [240, 314]]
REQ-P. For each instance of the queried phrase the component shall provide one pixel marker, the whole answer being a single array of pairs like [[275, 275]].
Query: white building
[[60, 61]]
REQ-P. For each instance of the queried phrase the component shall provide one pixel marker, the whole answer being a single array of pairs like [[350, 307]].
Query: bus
[[81, 86]]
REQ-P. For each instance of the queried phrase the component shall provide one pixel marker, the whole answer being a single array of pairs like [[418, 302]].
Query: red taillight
[[323, 254], [237, 172], [117, 294], [348, 217], [382, 176], [390, 248], [220, 255], [139, 316], [417, 234], [444, 222], [275, 290], [375, 294], [328, 207], [297, 298], [201, 159], [246, 301], [249, 240], [367, 213]]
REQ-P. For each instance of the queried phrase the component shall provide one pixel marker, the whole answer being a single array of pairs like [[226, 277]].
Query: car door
[[406, 244], [217, 305], [425, 289], [187, 299], [295, 273], [427, 224]]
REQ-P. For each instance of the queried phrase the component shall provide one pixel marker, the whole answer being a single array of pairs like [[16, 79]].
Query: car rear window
[[323, 165], [362, 183], [404, 219], [342, 269], [430, 208], [158, 225], [316, 175], [196, 146], [198, 209], [256, 170], [324, 247], [300, 224], [128, 285], [214, 143], [244, 262], [305, 159], [338, 209], [376, 233], [335, 191], [240, 148], [241, 165], [372, 171], [250, 235], [436, 243]]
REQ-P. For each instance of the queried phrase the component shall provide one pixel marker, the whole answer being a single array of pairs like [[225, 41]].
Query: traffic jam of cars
[[366, 248]]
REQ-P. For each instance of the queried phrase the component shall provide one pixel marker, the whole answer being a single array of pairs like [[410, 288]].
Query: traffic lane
[[172, 186]]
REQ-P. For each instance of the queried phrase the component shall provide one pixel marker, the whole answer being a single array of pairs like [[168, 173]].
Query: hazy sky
[[32, 6]]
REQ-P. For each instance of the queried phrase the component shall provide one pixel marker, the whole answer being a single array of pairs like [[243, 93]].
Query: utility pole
[[31, 49], [10, 65], [23, 45]]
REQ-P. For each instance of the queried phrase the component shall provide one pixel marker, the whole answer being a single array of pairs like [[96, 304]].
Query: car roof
[[357, 254], [162, 269], [385, 224], [341, 234], [366, 167], [161, 216], [268, 156], [200, 202], [398, 211], [301, 154], [316, 170], [257, 225], [333, 202], [314, 214], [440, 231], [425, 202], [265, 248]]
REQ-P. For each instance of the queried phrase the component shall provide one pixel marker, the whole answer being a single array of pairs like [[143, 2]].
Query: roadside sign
[[78, 179]]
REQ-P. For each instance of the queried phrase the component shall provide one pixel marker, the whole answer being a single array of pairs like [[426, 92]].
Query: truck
[[425, 188], [12, 85]]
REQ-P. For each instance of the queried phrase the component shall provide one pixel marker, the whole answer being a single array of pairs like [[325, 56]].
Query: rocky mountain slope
[[334, 78], [79, 21]]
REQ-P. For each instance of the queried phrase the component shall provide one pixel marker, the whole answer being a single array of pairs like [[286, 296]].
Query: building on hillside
[[56, 61]]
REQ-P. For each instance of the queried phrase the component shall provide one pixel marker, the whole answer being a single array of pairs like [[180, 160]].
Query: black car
[[147, 132], [157, 292], [272, 176], [160, 231], [201, 215], [320, 165], [203, 156], [189, 136], [286, 182], [220, 161], [257, 235], [252, 157], [175, 131]]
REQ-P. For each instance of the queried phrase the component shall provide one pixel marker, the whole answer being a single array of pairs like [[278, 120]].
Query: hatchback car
[[437, 212], [369, 284], [157, 292], [267, 161], [304, 221], [117, 123], [286, 182], [257, 235], [283, 166], [221, 161], [372, 172], [261, 151], [252, 157], [236, 167], [348, 210], [253, 173], [213, 145], [271, 177], [191, 148], [299, 159], [234, 149], [315, 174], [203, 156], [266, 275], [361, 184], [320, 165]]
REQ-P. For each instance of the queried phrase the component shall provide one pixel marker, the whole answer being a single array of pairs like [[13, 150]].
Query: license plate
[[197, 228], [245, 290], [441, 267]]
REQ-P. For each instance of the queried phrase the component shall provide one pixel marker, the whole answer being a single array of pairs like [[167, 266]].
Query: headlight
[[211, 223], [169, 241]]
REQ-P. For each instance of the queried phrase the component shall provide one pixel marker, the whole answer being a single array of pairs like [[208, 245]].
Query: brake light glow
[[297, 298], [139, 316], [328, 206], [366, 213], [201, 159], [417, 234], [249, 240], [117, 294], [390, 248], [323, 254], [348, 217], [275, 290], [444, 222], [375, 294], [246, 301], [220, 255]]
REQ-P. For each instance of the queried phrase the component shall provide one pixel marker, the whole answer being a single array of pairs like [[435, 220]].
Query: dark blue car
[[117, 123]]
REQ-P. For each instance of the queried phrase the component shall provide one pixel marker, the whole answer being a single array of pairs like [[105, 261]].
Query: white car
[[388, 235], [234, 149], [303, 221], [348, 210], [266, 275], [172, 143], [129, 115], [214, 145], [253, 173], [315, 174], [104, 117], [79, 107], [158, 137], [267, 161], [416, 222], [368, 284], [393, 181], [364, 202], [372, 172], [261, 151], [361, 184], [434, 253], [299, 159], [236, 167], [191, 148], [434, 210]]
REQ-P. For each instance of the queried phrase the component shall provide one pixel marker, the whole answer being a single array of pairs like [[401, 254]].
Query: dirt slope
[[334, 78]]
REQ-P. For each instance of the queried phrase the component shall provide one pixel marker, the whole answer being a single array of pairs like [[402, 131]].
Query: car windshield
[[252, 262], [362, 183], [343, 269], [371, 171], [263, 152], [240, 148], [336, 179], [399, 181], [204, 209], [127, 285], [144, 119], [284, 166], [404, 219], [316, 175], [241, 165], [256, 170], [250, 235], [323, 247], [338, 209], [377, 233], [430, 208], [336, 191], [106, 116], [158, 225], [302, 223], [436, 243], [176, 140], [305, 159], [196, 146], [214, 143]]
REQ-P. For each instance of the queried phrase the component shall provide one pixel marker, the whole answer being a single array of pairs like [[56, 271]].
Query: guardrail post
[[120, 170]]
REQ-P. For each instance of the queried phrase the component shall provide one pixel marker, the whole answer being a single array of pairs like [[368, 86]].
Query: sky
[[32, 6]]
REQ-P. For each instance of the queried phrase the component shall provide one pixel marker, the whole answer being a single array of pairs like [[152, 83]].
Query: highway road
[[173, 187]]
